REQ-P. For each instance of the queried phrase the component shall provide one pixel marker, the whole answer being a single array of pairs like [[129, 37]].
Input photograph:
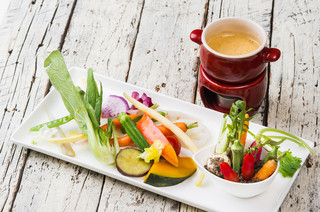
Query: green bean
[[53, 123]]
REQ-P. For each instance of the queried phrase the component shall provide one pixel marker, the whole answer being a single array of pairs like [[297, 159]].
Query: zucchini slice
[[128, 163]]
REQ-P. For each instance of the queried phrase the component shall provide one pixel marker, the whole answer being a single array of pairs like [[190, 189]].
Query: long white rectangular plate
[[207, 197]]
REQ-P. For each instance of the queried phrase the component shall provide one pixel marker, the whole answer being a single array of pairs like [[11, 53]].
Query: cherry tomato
[[175, 144]]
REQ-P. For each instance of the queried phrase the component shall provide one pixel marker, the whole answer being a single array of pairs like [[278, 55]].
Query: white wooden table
[[146, 43]]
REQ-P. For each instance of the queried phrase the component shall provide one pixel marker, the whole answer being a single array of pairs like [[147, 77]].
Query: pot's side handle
[[271, 55], [195, 36]]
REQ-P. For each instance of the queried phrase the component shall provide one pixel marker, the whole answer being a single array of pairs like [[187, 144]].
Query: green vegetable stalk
[[85, 108], [223, 143], [54, 123], [284, 136], [237, 155], [271, 155]]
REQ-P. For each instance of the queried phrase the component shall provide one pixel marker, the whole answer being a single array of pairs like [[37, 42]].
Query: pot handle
[[271, 55], [195, 36]]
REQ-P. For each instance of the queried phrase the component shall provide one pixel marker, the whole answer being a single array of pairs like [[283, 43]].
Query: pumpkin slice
[[164, 174]]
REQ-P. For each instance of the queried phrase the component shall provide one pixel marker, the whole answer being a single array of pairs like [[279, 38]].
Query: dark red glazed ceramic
[[236, 68], [220, 96], [223, 79]]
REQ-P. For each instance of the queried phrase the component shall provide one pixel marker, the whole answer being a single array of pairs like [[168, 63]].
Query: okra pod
[[237, 155], [133, 132]]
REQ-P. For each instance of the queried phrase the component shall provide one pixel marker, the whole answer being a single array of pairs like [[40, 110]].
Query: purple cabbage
[[144, 99]]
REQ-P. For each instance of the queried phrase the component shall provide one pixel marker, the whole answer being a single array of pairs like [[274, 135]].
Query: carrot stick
[[123, 141], [183, 126], [267, 170], [126, 140], [244, 133], [117, 123]]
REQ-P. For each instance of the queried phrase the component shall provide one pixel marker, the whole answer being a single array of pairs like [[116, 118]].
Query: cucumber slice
[[129, 164]]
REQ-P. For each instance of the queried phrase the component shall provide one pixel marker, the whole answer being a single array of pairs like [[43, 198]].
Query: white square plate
[[207, 197]]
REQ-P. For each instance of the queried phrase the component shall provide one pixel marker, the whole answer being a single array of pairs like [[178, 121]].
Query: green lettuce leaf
[[289, 164]]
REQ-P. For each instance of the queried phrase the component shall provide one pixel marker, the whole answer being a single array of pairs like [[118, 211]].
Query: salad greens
[[233, 126], [84, 107], [289, 165], [237, 116]]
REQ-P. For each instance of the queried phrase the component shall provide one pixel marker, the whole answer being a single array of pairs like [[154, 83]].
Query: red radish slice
[[254, 154], [114, 106]]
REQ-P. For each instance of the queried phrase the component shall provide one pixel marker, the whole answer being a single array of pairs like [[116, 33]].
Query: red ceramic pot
[[234, 69]]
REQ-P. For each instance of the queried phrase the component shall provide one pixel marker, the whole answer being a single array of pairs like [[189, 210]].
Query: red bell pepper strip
[[247, 167], [150, 131], [228, 172]]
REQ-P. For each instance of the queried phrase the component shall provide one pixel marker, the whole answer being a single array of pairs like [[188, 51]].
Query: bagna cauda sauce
[[234, 43]]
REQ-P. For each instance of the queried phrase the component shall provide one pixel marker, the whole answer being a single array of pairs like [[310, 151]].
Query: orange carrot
[[117, 123], [123, 141], [267, 170], [126, 140], [150, 131], [244, 133], [168, 132]]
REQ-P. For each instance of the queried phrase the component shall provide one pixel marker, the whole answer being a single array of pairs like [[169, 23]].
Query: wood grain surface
[[145, 43]]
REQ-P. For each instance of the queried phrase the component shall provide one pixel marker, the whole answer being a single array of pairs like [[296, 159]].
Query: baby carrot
[[267, 170], [183, 126], [116, 122], [123, 141], [244, 133]]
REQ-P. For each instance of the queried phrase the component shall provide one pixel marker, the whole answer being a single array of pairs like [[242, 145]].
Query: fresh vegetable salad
[[126, 131], [133, 134], [233, 162]]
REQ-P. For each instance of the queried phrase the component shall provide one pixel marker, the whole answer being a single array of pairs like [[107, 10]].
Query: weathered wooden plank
[[119, 196], [294, 93], [27, 25], [32, 31], [102, 35], [164, 58], [90, 41]]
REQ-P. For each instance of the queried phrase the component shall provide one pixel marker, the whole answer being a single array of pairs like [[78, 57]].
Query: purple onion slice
[[115, 105]]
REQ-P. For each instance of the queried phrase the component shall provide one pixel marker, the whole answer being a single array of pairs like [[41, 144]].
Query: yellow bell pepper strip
[[153, 152], [150, 131]]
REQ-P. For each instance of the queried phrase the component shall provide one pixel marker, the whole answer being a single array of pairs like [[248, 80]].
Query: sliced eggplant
[[129, 164]]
